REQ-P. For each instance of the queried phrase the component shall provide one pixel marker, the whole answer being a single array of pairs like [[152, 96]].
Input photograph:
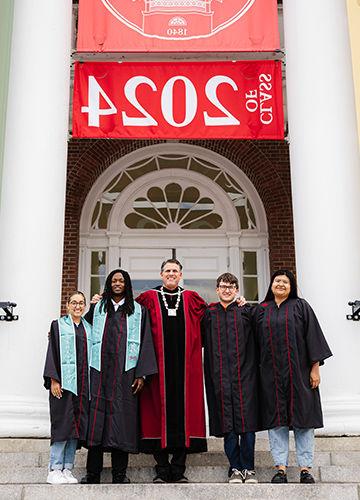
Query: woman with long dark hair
[[291, 348], [122, 355]]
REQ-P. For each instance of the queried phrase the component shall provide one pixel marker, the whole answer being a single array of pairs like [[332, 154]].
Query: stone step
[[340, 474], [181, 492], [262, 458], [195, 474], [348, 443]]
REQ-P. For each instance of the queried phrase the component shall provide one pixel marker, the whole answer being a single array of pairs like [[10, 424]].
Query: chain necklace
[[171, 312]]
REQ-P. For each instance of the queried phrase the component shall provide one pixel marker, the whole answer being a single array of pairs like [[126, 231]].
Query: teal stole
[[133, 340], [67, 343]]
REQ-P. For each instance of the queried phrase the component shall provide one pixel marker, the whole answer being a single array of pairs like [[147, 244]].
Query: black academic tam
[[290, 341]]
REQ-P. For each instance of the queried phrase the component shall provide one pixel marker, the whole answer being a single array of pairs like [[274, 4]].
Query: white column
[[32, 206], [325, 172]]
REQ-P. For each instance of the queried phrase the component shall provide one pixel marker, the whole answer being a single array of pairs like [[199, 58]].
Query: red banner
[[177, 25], [239, 100]]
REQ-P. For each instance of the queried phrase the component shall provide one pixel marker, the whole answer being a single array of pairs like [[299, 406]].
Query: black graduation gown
[[69, 414], [114, 415], [230, 367], [174, 348], [290, 340]]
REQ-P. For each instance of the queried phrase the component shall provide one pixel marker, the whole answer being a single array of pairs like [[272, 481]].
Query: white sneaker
[[69, 476], [56, 477], [236, 477]]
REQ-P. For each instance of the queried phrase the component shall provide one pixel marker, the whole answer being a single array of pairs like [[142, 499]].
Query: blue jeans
[[240, 455], [62, 454], [304, 444]]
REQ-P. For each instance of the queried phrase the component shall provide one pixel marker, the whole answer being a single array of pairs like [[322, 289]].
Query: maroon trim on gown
[[154, 407], [290, 340]]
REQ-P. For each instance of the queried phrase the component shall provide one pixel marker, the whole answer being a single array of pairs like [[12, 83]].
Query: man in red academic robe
[[172, 406]]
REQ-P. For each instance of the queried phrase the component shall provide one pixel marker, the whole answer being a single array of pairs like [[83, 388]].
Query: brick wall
[[266, 163]]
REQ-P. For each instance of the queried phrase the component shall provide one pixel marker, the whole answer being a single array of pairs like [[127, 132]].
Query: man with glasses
[[230, 368]]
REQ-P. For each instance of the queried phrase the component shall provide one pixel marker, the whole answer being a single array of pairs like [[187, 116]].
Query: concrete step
[[195, 474], [262, 459], [343, 474], [214, 444], [181, 492]]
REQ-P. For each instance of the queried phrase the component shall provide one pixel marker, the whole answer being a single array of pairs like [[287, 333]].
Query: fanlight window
[[182, 208], [145, 214]]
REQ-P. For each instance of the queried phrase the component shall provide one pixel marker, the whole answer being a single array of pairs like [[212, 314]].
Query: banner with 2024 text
[[177, 25], [163, 100]]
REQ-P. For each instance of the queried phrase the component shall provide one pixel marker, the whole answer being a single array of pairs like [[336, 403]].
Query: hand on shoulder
[[95, 298], [241, 301]]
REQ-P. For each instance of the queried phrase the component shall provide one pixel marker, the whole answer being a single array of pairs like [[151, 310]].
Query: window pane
[[98, 263], [136, 221], [251, 289], [205, 288], [212, 221], [104, 215], [141, 168], [140, 286], [97, 284], [249, 263]]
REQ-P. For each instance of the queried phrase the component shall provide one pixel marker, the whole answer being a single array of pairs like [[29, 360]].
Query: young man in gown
[[231, 378]]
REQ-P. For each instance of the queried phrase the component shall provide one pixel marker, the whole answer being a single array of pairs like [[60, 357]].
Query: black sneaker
[[90, 478], [159, 479], [162, 474], [236, 476], [280, 477], [306, 477], [249, 476], [180, 479], [120, 479]]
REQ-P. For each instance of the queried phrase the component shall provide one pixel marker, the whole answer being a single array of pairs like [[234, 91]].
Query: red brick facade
[[266, 164]]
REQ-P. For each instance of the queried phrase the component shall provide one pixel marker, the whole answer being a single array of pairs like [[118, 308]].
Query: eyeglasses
[[73, 303], [227, 287]]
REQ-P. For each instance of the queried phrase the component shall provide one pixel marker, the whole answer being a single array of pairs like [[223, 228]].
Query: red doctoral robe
[[153, 396]]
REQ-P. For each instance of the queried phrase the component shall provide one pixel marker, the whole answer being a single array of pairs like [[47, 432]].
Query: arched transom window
[[176, 200], [173, 203]]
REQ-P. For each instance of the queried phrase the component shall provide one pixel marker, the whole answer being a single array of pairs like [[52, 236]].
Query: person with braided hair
[[122, 356]]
